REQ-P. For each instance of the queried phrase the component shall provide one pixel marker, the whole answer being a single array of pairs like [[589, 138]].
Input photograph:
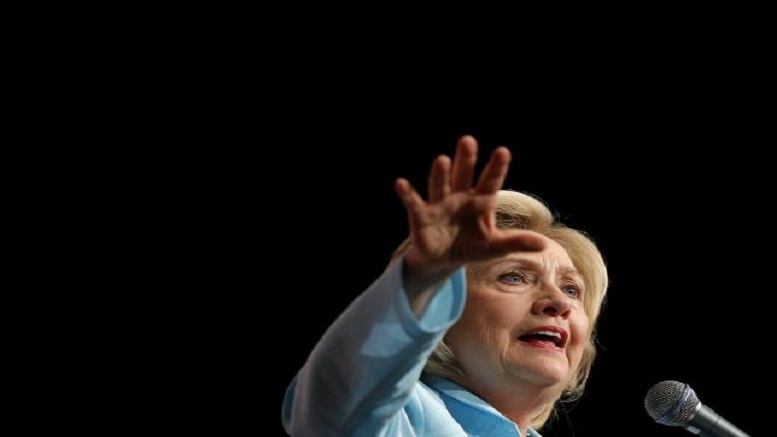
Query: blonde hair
[[522, 211]]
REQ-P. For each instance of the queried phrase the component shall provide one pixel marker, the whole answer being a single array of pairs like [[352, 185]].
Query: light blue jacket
[[364, 377]]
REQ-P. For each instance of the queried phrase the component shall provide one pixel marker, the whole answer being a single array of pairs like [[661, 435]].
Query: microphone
[[673, 403]]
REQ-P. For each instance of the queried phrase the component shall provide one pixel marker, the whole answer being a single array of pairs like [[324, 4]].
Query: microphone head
[[671, 403]]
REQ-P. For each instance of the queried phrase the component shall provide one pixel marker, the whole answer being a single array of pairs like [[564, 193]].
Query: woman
[[409, 358]]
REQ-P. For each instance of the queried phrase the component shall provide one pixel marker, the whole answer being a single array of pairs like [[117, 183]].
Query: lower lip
[[541, 345]]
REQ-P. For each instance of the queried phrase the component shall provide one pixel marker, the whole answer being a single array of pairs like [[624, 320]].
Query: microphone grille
[[671, 403]]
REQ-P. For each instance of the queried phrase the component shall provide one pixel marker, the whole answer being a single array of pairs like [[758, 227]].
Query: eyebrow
[[567, 271]]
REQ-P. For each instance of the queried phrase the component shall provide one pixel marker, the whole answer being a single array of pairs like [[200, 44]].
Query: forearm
[[364, 368], [421, 285]]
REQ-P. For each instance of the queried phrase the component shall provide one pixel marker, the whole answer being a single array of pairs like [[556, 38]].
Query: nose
[[551, 301]]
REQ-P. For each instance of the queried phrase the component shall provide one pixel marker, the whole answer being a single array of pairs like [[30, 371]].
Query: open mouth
[[545, 336]]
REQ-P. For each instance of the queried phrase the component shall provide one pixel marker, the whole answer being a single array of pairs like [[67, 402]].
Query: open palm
[[457, 224]]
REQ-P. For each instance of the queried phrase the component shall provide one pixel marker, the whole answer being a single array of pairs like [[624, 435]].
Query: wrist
[[419, 276]]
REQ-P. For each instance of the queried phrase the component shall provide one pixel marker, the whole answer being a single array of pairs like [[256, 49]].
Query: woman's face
[[524, 321]]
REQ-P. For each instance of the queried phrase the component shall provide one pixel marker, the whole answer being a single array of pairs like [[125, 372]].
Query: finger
[[516, 241], [439, 179], [411, 199], [464, 164], [493, 176]]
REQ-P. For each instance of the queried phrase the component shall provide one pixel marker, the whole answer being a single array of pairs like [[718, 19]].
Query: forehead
[[553, 256], [553, 251]]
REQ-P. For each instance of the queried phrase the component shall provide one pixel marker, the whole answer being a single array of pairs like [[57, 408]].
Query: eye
[[572, 290], [513, 278]]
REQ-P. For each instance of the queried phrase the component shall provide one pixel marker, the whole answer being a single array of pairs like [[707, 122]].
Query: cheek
[[479, 332], [469, 334], [488, 320], [580, 323], [581, 334]]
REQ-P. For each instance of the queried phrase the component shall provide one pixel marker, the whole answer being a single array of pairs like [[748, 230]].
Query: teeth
[[550, 333]]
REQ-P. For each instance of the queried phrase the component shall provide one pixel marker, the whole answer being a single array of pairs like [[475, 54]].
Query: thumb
[[515, 240]]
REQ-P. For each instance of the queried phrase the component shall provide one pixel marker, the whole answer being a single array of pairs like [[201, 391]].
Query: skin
[[456, 227], [507, 297]]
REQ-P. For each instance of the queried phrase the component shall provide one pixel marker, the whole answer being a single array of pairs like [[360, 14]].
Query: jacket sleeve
[[362, 372]]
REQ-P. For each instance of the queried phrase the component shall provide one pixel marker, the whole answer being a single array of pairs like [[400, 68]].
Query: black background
[[676, 193], [256, 153]]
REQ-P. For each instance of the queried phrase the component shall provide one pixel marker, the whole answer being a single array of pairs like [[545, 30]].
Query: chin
[[544, 372]]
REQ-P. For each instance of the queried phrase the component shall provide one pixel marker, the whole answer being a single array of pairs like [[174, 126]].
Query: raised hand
[[457, 224]]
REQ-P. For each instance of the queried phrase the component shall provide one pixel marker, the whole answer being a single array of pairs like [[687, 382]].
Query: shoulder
[[428, 414], [424, 401]]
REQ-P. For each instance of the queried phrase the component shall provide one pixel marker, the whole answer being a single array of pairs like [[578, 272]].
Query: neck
[[519, 402]]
